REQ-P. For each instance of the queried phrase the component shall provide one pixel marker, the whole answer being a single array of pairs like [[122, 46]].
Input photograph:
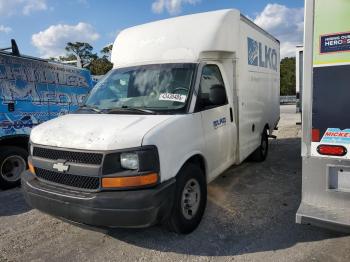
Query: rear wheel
[[190, 200], [13, 161], [260, 154]]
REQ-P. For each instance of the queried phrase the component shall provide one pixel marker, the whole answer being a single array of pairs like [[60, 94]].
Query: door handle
[[231, 114]]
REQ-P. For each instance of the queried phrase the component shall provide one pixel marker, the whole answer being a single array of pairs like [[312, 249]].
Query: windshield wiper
[[124, 109], [90, 108]]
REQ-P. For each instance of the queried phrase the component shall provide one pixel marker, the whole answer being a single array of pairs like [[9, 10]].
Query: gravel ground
[[249, 217]]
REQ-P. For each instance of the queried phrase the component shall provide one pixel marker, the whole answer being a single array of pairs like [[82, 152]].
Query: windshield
[[161, 87]]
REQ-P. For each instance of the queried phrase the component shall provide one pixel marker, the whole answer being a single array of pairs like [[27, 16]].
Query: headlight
[[137, 160], [129, 161]]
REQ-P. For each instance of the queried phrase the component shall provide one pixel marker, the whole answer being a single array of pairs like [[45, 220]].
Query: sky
[[43, 27]]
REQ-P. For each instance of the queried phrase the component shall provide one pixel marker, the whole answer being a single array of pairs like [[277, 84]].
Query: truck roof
[[183, 38]]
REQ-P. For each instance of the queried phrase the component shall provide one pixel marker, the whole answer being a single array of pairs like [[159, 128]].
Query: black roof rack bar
[[13, 48], [5, 49]]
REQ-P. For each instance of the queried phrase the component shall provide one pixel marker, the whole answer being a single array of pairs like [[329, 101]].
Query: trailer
[[32, 91], [187, 98], [326, 119]]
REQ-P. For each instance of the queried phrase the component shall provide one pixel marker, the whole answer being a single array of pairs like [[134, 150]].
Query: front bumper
[[130, 209]]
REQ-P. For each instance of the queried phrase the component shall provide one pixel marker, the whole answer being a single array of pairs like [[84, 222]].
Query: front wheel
[[12, 164], [190, 200]]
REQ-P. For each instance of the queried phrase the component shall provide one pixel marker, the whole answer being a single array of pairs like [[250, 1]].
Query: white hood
[[95, 131]]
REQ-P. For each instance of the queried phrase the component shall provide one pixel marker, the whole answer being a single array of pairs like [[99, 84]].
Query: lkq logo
[[261, 55]]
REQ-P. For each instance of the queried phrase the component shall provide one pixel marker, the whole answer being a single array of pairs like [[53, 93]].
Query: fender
[[187, 157]]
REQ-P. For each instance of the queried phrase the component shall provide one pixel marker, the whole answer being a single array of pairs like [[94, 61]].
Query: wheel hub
[[190, 199], [12, 167]]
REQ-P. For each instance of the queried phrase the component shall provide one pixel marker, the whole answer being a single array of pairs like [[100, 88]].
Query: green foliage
[[83, 51], [106, 51], [70, 57], [100, 66], [288, 76]]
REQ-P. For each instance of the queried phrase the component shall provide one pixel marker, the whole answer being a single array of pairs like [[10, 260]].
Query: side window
[[212, 91]]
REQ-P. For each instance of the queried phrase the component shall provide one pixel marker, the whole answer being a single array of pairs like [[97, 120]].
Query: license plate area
[[339, 178]]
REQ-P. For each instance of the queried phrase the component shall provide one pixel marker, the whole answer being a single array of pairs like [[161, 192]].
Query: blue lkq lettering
[[219, 123], [261, 55]]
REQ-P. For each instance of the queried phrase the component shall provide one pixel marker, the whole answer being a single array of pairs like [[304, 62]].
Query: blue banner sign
[[37, 91], [339, 42]]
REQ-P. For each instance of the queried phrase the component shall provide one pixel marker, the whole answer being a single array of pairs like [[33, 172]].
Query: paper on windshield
[[172, 97]]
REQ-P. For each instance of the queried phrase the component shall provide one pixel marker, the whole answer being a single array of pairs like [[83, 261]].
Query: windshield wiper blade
[[130, 109], [90, 108]]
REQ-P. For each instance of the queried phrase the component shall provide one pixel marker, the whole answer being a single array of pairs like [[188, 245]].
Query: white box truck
[[325, 116], [187, 98]]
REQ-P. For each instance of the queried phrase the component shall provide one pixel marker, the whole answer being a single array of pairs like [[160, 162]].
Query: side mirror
[[217, 95]]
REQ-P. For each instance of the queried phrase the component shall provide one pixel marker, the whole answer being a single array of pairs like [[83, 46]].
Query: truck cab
[[164, 122]]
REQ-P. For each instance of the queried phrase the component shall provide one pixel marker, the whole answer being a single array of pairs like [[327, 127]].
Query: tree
[[107, 51], [287, 76], [100, 66], [70, 57], [82, 51]]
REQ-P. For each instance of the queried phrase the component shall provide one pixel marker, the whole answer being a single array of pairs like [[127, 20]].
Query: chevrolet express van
[[188, 97]]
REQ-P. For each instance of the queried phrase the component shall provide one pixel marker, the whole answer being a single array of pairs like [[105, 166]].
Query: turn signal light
[[31, 168], [331, 150], [130, 181]]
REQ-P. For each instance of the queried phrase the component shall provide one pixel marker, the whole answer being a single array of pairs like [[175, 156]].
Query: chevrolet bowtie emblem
[[61, 167]]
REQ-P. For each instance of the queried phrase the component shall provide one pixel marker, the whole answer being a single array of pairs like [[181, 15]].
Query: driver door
[[217, 122]]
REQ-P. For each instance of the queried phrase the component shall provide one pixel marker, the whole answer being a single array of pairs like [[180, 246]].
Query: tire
[[260, 154], [182, 219], [13, 161]]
